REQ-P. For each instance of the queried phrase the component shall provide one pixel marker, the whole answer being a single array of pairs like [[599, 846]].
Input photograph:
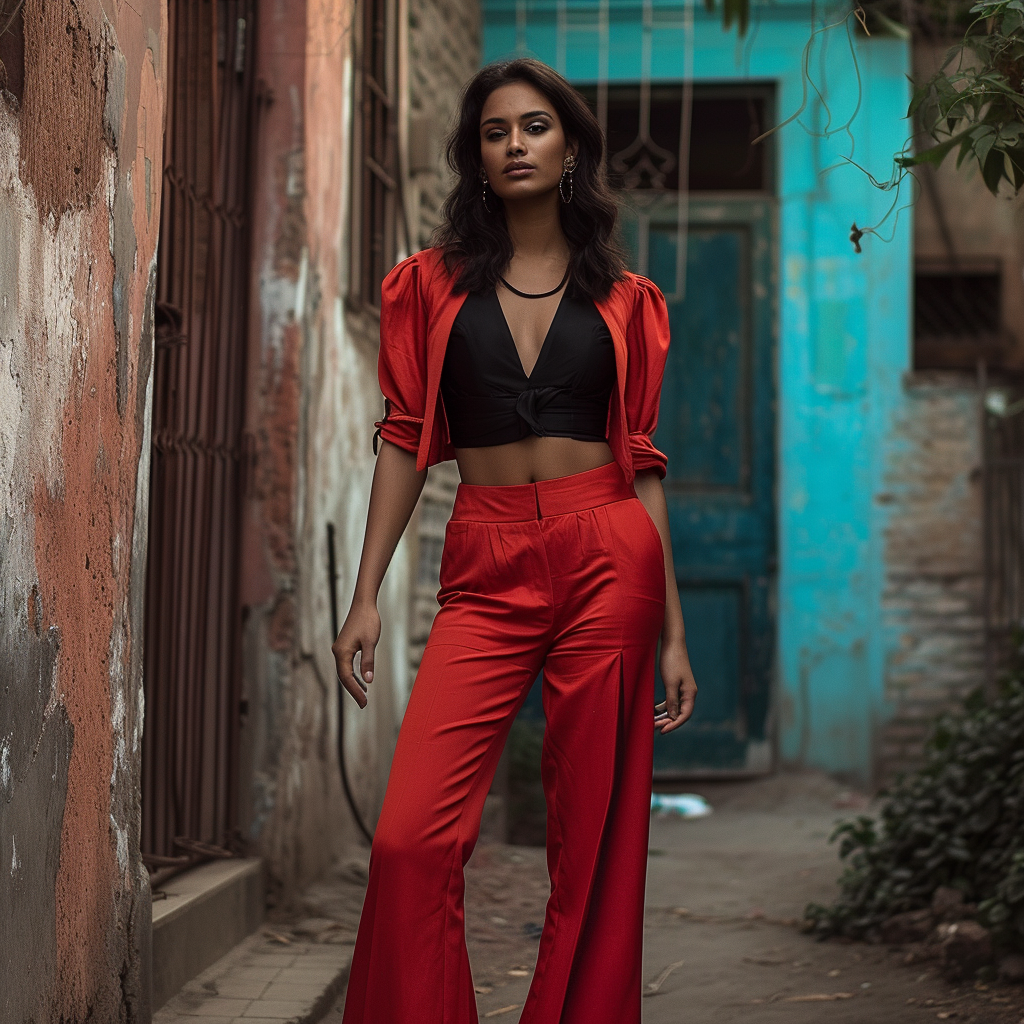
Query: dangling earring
[[484, 196], [567, 168]]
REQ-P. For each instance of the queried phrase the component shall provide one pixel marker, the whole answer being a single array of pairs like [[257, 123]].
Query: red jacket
[[417, 310]]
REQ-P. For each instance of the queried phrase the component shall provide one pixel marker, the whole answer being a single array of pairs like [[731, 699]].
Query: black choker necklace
[[537, 295]]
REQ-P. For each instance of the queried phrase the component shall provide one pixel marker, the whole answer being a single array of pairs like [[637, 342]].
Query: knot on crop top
[[488, 397]]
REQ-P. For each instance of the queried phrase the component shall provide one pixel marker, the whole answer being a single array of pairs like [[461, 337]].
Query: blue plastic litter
[[685, 805]]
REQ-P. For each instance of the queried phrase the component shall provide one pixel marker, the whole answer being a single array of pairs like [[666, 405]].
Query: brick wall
[[444, 48], [933, 541]]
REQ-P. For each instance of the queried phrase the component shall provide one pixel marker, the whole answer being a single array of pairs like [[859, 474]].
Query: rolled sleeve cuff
[[646, 456], [400, 430]]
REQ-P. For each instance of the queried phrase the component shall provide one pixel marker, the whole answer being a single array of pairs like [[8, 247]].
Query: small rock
[[948, 905], [910, 926], [1011, 968], [965, 947]]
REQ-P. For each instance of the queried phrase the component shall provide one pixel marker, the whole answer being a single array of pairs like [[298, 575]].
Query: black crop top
[[488, 398]]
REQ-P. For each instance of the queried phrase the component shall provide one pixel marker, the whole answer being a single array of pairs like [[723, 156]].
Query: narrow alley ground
[[722, 943]]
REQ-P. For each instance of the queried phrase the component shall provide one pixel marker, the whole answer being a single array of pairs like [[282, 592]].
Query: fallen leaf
[[518, 973], [482, 990], [277, 937], [946, 1014], [819, 997], [504, 1009], [834, 974]]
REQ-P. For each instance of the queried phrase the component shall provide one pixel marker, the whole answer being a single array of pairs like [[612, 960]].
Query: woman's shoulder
[[423, 273], [633, 291], [641, 288]]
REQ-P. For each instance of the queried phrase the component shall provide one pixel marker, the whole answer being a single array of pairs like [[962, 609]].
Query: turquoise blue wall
[[843, 330]]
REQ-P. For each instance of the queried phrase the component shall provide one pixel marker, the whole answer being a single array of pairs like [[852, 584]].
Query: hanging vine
[[972, 106]]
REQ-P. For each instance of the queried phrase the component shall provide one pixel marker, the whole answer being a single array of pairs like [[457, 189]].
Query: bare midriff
[[530, 460]]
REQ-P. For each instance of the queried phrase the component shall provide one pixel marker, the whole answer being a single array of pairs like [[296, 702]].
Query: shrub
[[957, 821]]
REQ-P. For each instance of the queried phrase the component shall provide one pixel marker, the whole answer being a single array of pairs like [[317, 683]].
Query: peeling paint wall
[[79, 210], [312, 397]]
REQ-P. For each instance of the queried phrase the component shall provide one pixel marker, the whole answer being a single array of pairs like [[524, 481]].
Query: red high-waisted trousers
[[566, 575]]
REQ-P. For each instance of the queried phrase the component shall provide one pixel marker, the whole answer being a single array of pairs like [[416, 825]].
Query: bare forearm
[[396, 487], [650, 491]]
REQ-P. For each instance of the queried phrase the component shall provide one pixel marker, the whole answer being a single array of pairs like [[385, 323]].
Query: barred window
[[375, 199], [957, 318]]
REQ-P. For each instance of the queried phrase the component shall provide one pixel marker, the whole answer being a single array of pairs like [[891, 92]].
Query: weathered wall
[[312, 398], [986, 232], [295, 815], [79, 209], [932, 488], [444, 52], [933, 590]]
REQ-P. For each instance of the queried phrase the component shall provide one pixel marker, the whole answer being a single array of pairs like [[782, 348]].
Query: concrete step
[[200, 915]]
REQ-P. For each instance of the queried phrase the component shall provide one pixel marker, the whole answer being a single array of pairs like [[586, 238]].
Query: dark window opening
[[375, 206], [723, 123], [12, 49], [957, 320]]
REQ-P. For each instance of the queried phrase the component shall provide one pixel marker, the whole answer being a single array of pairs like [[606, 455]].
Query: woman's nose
[[515, 143]]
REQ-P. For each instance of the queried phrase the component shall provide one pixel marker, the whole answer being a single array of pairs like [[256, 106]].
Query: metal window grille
[[375, 193], [957, 319], [193, 636]]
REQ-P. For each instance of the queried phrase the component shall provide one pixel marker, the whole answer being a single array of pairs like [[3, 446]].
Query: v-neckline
[[543, 344]]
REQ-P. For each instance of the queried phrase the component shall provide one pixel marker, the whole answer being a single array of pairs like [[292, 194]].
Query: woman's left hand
[[680, 688]]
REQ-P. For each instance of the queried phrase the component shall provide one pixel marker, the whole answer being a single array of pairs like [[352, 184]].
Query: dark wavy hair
[[475, 244]]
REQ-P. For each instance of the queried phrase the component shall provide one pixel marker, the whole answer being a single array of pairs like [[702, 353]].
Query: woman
[[521, 347]]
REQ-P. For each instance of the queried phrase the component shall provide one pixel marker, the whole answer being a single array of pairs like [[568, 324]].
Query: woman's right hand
[[359, 634]]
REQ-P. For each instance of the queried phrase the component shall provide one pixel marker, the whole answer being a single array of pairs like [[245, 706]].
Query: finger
[[354, 687], [344, 658], [686, 705], [672, 701], [369, 647]]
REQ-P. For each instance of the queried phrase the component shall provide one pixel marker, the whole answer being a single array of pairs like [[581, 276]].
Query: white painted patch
[[121, 838], [300, 285], [5, 764], [15, 863]]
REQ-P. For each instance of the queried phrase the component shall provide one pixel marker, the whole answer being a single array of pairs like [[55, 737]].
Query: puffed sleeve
[[647, 339], [402, 361]]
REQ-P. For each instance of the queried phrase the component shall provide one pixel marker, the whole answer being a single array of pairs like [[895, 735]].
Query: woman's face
[[522, 144]]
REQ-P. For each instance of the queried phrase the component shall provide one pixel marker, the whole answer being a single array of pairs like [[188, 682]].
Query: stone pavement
[[267, 979], [722, 942]]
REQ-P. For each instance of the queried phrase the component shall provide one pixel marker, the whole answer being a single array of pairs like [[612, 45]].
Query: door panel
[[717, 427]]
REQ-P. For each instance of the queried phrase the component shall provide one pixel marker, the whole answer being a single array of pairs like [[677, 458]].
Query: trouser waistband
[[509, 503]]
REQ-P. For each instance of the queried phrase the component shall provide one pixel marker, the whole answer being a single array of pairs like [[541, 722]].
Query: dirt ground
[[722, 943]]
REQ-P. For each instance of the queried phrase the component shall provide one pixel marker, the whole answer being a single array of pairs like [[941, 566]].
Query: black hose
[[343, 694]]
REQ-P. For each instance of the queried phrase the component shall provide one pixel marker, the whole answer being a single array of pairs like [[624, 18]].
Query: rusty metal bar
[[193, 627]]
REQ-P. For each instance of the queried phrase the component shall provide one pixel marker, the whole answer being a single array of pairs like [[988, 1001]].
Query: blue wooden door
[[717, 427]]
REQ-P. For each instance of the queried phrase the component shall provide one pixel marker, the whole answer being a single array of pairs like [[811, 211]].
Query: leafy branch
[[974, 104]]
